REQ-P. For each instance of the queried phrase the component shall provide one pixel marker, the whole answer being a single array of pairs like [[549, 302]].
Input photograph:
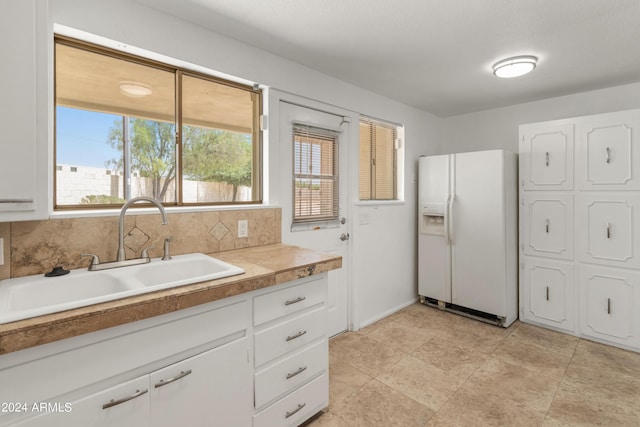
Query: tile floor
[[426, 367]]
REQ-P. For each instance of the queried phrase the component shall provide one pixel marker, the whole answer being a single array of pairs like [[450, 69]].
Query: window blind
[[315, 174], [377, 160]]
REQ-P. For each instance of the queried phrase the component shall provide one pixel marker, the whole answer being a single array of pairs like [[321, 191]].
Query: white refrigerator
[[467, 241]]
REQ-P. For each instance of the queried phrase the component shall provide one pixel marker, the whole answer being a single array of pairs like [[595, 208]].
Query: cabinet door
[[23, 110], [607, 155], [548, 293], [546, 157], [212, 388], [548, 225], [608, 300], [607, 230], [125, 405]]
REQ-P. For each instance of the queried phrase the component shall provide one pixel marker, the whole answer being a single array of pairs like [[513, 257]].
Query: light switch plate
[[1, 251], [243, 228]]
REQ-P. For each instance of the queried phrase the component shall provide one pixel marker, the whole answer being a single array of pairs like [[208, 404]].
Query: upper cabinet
[[607, 155], [24, 106], [546, 157]]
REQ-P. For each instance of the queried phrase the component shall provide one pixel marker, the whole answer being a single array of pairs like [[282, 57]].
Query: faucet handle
[[94, 260], [145, 251]]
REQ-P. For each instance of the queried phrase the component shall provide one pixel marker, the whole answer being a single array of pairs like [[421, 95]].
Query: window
[[132, 127], [315, 174], [378, 160]]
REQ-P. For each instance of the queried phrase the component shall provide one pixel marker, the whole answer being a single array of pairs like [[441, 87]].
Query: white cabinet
[[609, 232], [546, 157], [210, 388], [610, 302], [24, 107], [549, 225], [548, 293], [607, 157], [291, 353], [580, 226]]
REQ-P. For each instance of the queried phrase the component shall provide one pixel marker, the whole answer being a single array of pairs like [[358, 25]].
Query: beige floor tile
[[422, 382], [599, 356], [344, 379], [480, 337], [533, 387], [403, 337], [519, 351], [577, 409], [325, 419], [473, 408], [451, 357], [377, 404], [549, 340], [365, 353], [425, 317]]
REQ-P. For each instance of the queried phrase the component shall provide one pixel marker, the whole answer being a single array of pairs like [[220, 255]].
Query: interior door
[[330, 236]]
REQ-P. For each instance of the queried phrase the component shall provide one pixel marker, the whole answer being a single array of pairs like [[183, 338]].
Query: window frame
[[179, 72]]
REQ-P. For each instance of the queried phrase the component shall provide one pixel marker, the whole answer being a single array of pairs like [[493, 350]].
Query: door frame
[[271, 169]]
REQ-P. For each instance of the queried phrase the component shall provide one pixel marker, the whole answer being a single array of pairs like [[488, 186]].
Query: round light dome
[[515, 66]]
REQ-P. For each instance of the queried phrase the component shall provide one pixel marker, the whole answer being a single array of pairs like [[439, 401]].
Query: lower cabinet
[[548, 293], [209, 365], [610, 304]]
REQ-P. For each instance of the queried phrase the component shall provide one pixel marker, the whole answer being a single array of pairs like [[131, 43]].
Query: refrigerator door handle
[[452, 198]]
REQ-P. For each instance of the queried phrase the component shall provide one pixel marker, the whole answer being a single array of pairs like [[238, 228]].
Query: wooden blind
[[315, 174], [377, 160]]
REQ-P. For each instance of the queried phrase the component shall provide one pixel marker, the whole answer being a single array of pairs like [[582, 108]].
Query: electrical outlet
[[243, 228]]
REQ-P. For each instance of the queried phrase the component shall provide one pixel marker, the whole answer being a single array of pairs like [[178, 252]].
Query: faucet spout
[[163, 213]]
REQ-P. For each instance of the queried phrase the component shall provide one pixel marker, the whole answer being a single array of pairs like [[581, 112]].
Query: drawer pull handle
[[298, 335], [176, 378], [114, 402], [293, 301], [608, 231], [546, 226], [608, 156], [299, 371], [295, 411], [547, 293], [608, 305], [546, 159]]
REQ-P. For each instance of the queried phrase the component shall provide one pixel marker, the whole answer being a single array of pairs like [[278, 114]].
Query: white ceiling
[[436, 55]]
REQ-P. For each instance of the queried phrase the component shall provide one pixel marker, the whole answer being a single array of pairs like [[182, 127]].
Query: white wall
[[498, 128], [384, 260]]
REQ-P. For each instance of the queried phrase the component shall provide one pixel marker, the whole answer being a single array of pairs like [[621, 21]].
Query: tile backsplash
[[35, 247]]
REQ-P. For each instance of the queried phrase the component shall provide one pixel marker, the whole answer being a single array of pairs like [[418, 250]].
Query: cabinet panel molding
[[549, 225], [547, 157]]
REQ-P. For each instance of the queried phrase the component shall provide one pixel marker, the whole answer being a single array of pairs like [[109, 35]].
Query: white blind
[[315, 174], [377, 160]]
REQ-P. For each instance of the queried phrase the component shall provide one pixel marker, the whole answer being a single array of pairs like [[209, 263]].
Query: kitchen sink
[[31, 296]]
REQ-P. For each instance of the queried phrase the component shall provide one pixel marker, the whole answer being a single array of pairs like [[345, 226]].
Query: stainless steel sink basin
[[31, 296]]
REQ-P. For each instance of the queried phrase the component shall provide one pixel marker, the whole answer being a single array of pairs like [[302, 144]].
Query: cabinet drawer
[[549, 293], [290, 335], [548, 225], [289, 300], [609, 301], [288, 374], [296, 407]]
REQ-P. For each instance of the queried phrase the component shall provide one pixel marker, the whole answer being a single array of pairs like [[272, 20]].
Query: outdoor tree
[[152, 152], [217, 155]]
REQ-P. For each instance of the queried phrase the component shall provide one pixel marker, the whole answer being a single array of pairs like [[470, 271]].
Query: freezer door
[[434, 279], [477, 215], [433, 185]]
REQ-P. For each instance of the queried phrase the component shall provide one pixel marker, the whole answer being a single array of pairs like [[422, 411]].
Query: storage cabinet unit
[[580, 243]]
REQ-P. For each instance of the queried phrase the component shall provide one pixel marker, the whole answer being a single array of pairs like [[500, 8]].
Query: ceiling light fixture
[[515, 66], [135, 89]]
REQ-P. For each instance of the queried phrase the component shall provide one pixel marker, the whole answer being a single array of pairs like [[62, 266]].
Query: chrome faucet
[[121, 260], [165, 221]]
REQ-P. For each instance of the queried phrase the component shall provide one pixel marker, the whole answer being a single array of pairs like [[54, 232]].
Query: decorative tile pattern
[[135, 239], [219, 231]]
